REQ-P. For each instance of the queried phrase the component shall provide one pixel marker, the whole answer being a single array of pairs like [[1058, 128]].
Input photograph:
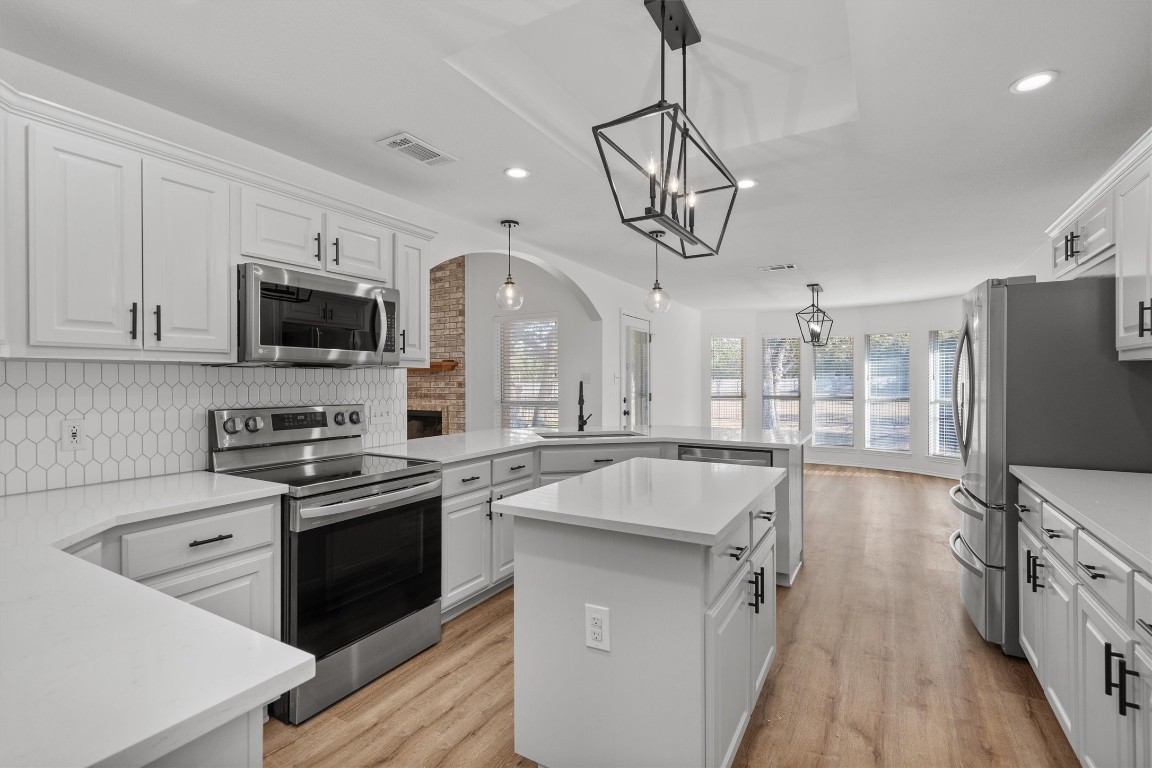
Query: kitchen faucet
[[581, 420]]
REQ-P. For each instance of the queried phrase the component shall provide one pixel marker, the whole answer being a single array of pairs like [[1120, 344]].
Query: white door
[[1059, 645], [636, 344], [503, 540], [764, 613], [412, 264], [727, 642], [84, 255], [1031, 581], [1134, 258], [467, 538], [1106, 737], [187, 287], [240, 590], [280, 228], [359, 248]]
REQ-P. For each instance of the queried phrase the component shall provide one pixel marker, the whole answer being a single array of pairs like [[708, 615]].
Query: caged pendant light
[[815, 323], [657, 301], [509, 296], [661, 170]]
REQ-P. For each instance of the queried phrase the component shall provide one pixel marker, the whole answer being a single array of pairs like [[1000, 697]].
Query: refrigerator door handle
[[956, 544], [958, 500], [963, 422]]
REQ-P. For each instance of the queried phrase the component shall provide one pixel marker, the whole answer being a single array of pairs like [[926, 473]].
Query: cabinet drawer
[[1142, 608], [1029, 509], [1112, 574], [175, 546], [1059, 534], [505, 468], [724, 559], [466, 477], [586, 458]]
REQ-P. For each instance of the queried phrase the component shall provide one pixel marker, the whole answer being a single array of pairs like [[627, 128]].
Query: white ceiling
[[893, 162]]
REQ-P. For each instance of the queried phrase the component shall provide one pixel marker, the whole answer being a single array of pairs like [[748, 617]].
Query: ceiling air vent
[[777, 267], [420, 151]]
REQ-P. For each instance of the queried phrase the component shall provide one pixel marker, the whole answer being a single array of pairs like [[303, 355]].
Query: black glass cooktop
[[309, 478]]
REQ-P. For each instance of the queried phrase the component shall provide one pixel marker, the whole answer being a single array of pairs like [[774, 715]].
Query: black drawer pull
[[601, 461], [1126, 705], [1021, 509], [470, 479], [517, 467], [1053, 533], [1091, 571], [766, 516], [1144, 625], [202, 542], [738, 553]]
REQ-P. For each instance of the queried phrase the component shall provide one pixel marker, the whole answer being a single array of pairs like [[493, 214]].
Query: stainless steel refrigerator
[[1036, 381]]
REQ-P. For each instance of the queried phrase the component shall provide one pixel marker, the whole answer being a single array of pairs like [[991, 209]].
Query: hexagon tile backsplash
[[145, 419]]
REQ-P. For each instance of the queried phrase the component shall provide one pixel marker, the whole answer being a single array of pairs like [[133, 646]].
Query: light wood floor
[[877, 663]]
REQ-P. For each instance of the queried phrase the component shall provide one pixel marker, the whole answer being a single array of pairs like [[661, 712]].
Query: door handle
[[403, 341], [317, 239], [202, 542], [337, 244], [157, 313], [755, 582], [1072, 238], [1028, 575], [1035, 576], [1140, 328], [135, 311], [1125, 705], [602, 461], [1109, 654]]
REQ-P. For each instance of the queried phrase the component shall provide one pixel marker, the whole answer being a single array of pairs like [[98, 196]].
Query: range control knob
[[254, 424], [354, 417], [339, 418], [232, 425]]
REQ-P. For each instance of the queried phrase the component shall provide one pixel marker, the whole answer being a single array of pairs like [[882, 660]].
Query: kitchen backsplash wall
[[152, 419]]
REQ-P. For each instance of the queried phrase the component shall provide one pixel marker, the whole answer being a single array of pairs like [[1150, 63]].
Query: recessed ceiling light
[[516, 173], [777, 267], [1033, 81], [747, 183]]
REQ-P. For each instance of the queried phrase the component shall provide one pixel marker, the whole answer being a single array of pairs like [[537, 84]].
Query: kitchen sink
[[591, 433]]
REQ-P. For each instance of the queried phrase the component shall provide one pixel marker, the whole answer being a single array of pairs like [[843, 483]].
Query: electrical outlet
[[72, 435], [596, 627], [381, 416]]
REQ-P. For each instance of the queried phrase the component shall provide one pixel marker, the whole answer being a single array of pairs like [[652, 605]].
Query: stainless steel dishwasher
[[745, 456]]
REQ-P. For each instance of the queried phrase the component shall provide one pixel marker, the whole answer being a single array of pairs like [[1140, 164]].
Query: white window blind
[[528, 374], [781, 386], [727, 388], [886, 400], [833, 385], [941, 428]]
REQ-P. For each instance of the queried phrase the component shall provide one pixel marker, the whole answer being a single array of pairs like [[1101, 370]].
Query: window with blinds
[[727, 387], [886, 400], [941, 428], [833, 392], [781, 385], [528, 373]]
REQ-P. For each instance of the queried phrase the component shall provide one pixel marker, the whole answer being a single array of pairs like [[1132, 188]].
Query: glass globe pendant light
[[509, 295], [657, 301]]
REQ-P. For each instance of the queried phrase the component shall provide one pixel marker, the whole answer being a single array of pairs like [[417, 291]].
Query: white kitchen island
[[676, 560]]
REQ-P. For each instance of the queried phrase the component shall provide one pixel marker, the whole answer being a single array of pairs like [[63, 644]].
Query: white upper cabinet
[[186, 259], [412, 265], [1134, 263], [84, 249], [280, 228], [359, 248]]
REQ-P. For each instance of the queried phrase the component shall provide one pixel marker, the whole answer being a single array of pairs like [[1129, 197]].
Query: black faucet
[[581, 420]]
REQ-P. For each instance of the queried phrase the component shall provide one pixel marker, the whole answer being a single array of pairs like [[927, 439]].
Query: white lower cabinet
[[236, 590], [728, 648], [764, 619], [1144, 716], [1107, 727], [1058, 629], [1030, 592], [466, 554], [503, 539]]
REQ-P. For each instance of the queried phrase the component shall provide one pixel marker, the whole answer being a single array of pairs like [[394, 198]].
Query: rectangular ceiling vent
[[420, 151], [777, 267]]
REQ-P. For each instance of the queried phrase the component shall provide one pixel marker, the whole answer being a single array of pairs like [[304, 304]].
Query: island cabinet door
[[467, 547], [728, 635], [503, 541], [1059, 647], [763, 611], [1030, 589], [1103, 654], [1144, 716]]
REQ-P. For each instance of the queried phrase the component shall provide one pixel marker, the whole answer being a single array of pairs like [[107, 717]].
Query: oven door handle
[[344, 507]]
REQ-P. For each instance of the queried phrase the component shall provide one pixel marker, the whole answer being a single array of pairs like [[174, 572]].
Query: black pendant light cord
[[509, 251]]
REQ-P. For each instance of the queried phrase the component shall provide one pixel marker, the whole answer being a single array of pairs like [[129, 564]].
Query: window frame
[[870, 399], [764, 372], [738, 398], [816, 400], [498, 393]]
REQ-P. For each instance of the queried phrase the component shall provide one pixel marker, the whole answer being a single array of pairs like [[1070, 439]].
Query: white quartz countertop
[[481, 443], [693, 502], [1115, 507], [97, 669]]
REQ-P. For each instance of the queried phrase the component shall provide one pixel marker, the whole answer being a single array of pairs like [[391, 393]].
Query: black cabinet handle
[[135, 311], [403, 341], [1144, 625], [601, 461], [739, 553], [517, 467], [1072, 238], [1053, 533], [1091, 571], [337, 244], [1067, 255], [1028, 575], [470, 479], [1035, 576], [1126, 705], [1141, 329], [755, 582], [157, 313], [489, 509], [766, 515], [1109, 654], [1021, 509], [202, 542], [317, 239], [763, 588]]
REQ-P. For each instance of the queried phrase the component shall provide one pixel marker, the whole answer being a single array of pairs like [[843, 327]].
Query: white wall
[[915, 318]]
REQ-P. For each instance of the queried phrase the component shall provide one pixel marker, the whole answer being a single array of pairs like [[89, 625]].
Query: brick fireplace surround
[[444, 391]]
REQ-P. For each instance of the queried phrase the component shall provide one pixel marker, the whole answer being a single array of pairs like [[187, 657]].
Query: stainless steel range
[[361, 543]]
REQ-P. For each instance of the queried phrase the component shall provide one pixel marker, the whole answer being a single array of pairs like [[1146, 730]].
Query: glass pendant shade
[[657, 301], [815, 323], [509, 296]]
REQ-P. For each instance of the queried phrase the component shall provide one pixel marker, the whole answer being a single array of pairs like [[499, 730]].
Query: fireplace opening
[[425, 424]]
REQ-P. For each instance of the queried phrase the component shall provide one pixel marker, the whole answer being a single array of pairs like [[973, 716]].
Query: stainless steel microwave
[[299, 318]]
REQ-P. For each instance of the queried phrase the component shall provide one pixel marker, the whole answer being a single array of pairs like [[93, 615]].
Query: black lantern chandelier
[[661, 170], [815, 324]]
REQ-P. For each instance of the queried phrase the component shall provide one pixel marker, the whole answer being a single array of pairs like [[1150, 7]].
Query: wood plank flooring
[[877, 664]]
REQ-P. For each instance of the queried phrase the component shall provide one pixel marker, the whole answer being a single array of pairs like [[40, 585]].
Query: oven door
[[359, 560], [299, 318]]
